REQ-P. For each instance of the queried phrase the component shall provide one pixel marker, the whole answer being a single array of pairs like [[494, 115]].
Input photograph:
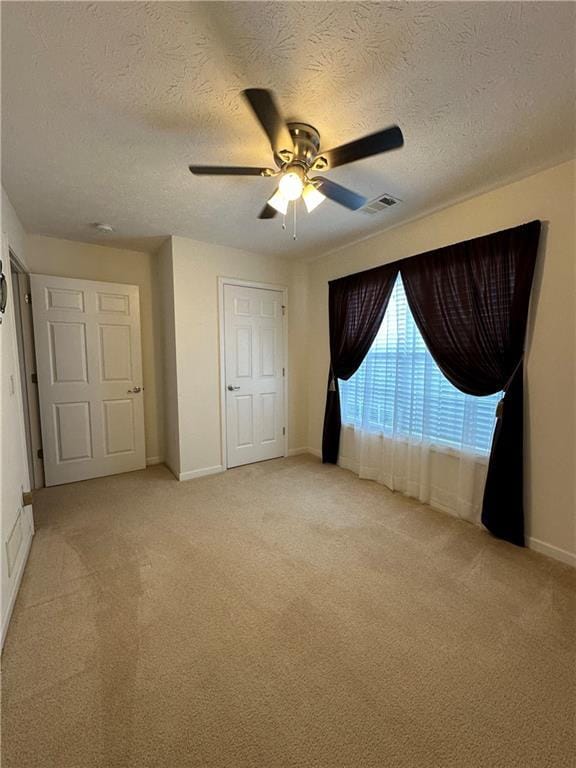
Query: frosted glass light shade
[[291, 185], [312, 197], [279, 202]]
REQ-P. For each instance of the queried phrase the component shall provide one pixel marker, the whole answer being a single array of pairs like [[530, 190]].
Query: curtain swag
[[470, 303], [356, 309]]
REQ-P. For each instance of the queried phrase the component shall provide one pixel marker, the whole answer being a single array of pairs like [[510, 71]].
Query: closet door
[[255, 368]]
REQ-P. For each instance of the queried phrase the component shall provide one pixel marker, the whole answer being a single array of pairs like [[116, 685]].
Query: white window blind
[[400, 392]]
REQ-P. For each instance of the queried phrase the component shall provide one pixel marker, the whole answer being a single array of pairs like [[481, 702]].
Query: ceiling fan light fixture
[[297, 151], [291, 185], [312, 197], [279, 202]]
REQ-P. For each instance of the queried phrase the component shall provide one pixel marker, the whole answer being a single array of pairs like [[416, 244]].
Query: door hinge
[[283, 430], [26, 498], [283, 371], [283, 309], [40, 453], [28, 298], [34, 377]]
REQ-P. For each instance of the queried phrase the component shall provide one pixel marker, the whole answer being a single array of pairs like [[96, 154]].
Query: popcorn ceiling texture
[[105, 104]]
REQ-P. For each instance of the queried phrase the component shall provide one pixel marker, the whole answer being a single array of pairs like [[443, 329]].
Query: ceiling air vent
[[380, 203]]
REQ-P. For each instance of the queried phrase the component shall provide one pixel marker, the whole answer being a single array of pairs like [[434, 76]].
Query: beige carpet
[[281, 615]]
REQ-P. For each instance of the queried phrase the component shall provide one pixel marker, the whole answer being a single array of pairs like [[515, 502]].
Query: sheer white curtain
[[406, 426]]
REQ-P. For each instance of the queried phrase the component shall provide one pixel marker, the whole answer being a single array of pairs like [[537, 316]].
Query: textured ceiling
[[105, 104]]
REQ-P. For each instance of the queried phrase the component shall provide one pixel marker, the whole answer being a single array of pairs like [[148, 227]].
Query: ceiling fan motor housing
[[306, 140]]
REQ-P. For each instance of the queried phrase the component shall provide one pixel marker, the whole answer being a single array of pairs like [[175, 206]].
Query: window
[[400, 391]]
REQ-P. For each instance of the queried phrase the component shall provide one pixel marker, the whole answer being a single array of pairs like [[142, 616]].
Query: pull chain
[[293, 221]]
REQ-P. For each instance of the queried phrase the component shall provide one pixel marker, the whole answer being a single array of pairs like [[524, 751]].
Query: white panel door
[[254, 380], [89, 364]]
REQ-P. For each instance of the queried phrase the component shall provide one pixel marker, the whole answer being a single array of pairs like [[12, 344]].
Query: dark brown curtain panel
[[357, 304], [470, 302]]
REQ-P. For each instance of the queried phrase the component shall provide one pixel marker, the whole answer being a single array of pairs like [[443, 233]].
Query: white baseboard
[[300, 451], [15, 588], [193, 474], [563, 555], [551, 551], [151, 460]]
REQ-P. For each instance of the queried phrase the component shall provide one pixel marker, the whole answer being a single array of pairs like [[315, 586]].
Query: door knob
[[134, 390], [231, 388]]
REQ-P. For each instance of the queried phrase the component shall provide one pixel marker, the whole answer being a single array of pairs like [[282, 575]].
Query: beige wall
[[196, 267], [16, 523], [550, 395], [12, 228], [64, 258]]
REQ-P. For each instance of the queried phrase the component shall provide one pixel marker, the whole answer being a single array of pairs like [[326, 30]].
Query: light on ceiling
[[312, 197], [291, 185], [279, 202]]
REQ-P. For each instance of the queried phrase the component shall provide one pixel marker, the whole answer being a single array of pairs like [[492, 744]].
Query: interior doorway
[[89, 357], [27, 363]]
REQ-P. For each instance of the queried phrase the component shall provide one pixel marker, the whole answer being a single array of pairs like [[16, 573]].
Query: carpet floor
[[281, 615]]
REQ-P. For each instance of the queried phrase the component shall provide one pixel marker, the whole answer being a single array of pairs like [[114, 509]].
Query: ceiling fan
[[296, 148]]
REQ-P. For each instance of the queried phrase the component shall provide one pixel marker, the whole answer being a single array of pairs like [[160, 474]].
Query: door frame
[[223, 281], [27, 358]]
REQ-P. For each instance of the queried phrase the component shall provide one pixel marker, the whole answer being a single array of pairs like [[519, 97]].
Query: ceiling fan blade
[[230, 170], [374, 144], [269, 116], [339, 194], [267, 212]]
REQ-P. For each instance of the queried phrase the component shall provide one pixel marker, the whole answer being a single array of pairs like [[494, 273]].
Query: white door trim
[[31, 401], [222, 281]]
